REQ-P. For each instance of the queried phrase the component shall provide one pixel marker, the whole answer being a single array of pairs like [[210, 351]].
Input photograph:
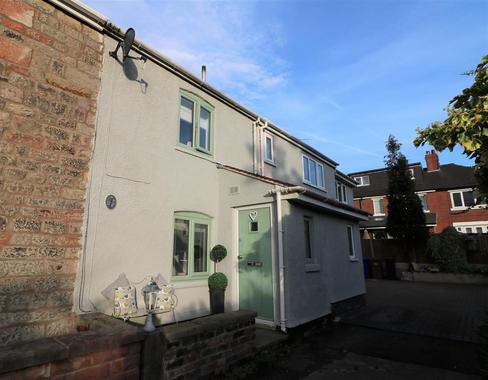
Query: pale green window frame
[[193, 218], [198, 104]]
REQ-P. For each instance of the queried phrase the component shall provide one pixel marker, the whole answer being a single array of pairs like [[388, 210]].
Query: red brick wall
[[438, 202], [49, 78], [120, 363]]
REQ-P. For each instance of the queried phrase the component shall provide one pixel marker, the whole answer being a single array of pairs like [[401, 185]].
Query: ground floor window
[[191, 245], [308, 228], [471, 228], [350, 242]]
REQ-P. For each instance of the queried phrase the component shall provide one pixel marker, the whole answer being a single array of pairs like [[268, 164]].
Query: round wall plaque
[[111, 201]]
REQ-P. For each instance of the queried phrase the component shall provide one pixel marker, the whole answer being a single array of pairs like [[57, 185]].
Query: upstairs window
[[362, 181], [378, 207], [268, 148], [341, 192], [196, 123], [462, 199], [191, 245], [313, 172], [423, 200]]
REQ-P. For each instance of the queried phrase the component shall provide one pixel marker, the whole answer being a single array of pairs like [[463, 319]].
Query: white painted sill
[[312, 268], [271, 163]]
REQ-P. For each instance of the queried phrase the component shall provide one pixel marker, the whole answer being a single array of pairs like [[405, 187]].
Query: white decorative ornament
[[253, 215]]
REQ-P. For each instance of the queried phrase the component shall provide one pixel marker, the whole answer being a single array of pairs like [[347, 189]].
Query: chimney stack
[[204, 73], [432, 160]]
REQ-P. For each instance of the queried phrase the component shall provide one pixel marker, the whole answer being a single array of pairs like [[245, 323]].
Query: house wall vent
[[233, 190]]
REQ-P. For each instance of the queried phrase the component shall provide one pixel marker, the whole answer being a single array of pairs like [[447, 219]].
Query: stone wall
[[49, 79], [110, 350], [207, 346]]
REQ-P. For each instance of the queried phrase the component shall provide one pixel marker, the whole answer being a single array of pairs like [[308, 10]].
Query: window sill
[[353, 259], [271, 163], [314, 186], [202, 277], [194, 152], [312, 267]]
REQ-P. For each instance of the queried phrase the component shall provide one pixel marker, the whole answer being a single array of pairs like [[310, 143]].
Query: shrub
[[218, 253], [448, 251], [218, 280]]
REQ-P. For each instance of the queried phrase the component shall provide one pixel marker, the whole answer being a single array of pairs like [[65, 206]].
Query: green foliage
[[447, 250], [218, 253], [217, 280], [406, 218], [466, 124]]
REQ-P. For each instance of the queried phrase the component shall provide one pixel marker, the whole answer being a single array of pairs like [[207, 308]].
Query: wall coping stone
[[105, 333], [212, 323]]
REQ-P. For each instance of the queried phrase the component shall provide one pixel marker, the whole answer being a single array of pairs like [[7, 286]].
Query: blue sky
[[340, 75]]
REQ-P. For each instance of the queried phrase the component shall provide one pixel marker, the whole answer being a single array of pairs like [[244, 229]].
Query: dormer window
[[362, 180], [313, 172], [412, 174]]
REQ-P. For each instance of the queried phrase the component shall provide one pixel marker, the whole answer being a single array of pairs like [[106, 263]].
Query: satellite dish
[[128, 41], [126, 45]]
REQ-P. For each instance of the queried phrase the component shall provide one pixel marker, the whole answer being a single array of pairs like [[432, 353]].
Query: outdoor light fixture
[[150, 292], [126, 45]]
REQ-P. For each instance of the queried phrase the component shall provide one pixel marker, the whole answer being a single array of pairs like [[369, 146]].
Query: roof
[[380, 222], [101, 23], [309, 192], [449, 176]]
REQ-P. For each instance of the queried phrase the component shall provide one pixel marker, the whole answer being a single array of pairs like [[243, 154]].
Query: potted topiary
[[217, 282]]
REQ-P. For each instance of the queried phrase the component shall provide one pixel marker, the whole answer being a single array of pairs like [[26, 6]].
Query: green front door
[[255, 266]]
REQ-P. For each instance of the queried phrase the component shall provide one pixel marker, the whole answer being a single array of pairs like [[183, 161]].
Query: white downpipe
[[278, 192], [281, 260]]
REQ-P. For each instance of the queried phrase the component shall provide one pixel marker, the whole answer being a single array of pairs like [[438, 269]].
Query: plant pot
[[217, 300]]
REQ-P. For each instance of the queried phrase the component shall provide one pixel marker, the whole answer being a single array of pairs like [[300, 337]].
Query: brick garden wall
[[111, 350], [49, 79], [207, 346]]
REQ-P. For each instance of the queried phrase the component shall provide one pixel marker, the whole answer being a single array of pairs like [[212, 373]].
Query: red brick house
[[446, 192]]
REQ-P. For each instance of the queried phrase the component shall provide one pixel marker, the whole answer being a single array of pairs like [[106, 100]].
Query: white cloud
[[240, 50]]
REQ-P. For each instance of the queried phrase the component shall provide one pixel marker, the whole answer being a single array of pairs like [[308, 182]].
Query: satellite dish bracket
[[126, 45]]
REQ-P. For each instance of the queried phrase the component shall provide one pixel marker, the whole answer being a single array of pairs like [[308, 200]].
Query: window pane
[[269, 148], [378, 206], [365, 180], [186, 122], [339, 192], [479, 230], [469, 230], [344, 197], [320, 179], [350, 241], [200, 248], [313, 172], [204, 129], [306, 173], [180, 247], [423, 200], [456, 197], [308, 246], [468, 198]]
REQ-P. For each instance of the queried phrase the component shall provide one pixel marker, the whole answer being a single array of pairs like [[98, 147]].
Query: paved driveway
[[428, 309]]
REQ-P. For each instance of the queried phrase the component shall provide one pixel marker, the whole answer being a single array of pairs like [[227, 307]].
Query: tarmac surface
[[407, 331]]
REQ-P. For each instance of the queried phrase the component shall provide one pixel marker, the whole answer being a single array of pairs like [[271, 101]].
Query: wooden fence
[[477, 250]]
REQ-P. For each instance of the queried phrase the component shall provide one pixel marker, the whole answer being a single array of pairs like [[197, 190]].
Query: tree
[[406, 218], [466, 125]]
